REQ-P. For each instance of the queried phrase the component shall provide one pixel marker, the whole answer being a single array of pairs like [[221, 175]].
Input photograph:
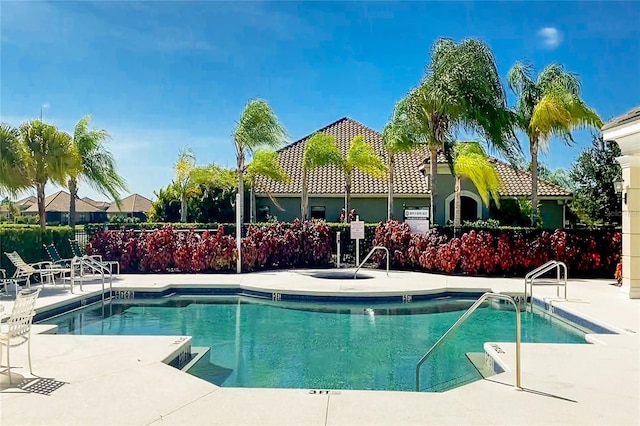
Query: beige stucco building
[[625, 130]]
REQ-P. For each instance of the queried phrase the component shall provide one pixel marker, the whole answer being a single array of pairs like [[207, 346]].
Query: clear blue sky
[[163, 75]]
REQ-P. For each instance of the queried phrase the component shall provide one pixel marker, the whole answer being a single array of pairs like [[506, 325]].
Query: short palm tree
[[258, 127], [319, 151], [185, 180], [98, 165], [470, 161], [46, 154], [265, 164], [462, 89], [363, 157], [549, 106]]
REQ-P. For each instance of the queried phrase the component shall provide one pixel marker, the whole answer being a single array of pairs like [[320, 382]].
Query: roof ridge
[[322, 129], [527, 172]]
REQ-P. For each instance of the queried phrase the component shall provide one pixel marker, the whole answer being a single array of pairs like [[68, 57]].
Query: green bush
[[27, 240]]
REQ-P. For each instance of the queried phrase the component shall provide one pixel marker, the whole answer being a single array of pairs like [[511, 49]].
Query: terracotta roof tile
[[408, 178], [59, 202], [134, 203], [627, 118]]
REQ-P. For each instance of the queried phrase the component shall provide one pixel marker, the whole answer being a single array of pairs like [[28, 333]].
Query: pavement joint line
[[183, 406]]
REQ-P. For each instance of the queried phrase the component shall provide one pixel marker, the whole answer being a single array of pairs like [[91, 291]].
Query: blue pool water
[[322, 346]]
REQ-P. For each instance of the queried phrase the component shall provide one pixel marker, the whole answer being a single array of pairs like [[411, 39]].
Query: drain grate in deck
[[42, 386]]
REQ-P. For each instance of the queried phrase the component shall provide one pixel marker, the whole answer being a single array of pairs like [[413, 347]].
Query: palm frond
[[265, 163], [258, 126], [362, 156], [554, 77], [321, 150], [13, 170], [471, 162]]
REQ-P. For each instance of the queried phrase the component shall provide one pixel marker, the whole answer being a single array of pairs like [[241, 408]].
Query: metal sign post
[[357, 233]]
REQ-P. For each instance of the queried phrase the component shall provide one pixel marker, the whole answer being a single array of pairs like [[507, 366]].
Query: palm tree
[[264, 163], [185, 183], [13, 172], [549, 106], [363, 157], [258, 127], [319, 151], [98, 165], [470, 161], [396, 141], [46, 154], [462, 89]]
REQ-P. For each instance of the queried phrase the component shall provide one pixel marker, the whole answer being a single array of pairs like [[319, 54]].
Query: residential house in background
[[135, 205], [57, 210], [369, 195]]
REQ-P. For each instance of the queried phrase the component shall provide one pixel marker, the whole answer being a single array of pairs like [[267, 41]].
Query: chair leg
[[29, 353], [9, 363]]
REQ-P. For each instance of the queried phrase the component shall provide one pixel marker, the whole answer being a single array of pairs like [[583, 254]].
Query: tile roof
[[27, 201], [102, 205], [408, 178], [628, 118], [134, 203], [59, 202], [330, 180]]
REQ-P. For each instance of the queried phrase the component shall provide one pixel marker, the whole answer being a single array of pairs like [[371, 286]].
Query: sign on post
[[357, 233], [418, 220]]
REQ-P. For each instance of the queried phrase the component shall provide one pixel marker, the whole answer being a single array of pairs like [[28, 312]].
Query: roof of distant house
[[27, 201], [409, 180], [134, 203], [102, 205], [59, 202]]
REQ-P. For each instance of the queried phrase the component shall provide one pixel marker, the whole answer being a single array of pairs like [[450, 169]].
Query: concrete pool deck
[[115, 380]]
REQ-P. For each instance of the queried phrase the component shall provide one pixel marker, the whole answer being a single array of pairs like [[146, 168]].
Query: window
[[318, 212], [468, 209], [263, 213]]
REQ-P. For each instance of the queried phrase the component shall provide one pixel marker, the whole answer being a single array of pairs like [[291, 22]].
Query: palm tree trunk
[[240, 206], [41, 212], [433, 179], [391, 165], [304, 197], [347, 198], [534, 182], [457, 210], [73, 192], [184, 205], [252, 201]]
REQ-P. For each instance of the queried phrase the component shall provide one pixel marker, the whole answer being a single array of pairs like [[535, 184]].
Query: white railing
[[462, 319], [529, 279], [87, 263], [368, 256]]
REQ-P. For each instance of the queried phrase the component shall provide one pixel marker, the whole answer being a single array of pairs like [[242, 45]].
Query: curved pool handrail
[[462, 319], [367, 258]]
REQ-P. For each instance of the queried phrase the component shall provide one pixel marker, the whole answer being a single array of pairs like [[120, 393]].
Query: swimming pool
[[256, 343]]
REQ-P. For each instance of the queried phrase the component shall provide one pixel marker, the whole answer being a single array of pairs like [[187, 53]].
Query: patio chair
[[77, 251], [55, 257], [18, 330], [45, 270]]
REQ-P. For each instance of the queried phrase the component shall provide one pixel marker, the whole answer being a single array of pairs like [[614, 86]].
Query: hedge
[[28, 241]]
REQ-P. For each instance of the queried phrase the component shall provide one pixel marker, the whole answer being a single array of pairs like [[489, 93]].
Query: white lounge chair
[[46, 270], [18, 327]]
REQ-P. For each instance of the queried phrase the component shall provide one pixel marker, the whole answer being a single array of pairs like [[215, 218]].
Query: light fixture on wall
[[618, 186]]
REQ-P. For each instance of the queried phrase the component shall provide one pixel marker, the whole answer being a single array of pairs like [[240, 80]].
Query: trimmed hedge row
[[28, 240]]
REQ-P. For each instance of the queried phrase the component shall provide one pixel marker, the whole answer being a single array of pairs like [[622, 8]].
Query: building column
[[630, 225]]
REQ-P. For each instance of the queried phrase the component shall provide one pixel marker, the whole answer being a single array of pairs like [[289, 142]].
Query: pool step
[[478, 361], [197, 352]]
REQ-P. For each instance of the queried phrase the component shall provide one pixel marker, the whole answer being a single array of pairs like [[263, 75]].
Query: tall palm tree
[[470, 161], [396, 141], [13, 171], [363, 157], [258, 127], [461, 90], [319, 151], [264, 163], [549, 106], [98, 165], [47, 154]]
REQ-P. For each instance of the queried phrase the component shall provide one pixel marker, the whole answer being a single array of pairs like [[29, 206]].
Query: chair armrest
[[42, 265], [3, 273]]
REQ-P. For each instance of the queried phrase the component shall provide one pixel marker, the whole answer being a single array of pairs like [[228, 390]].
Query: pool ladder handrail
[[530, 278], [368, 256], [457, 324], [88, 262]]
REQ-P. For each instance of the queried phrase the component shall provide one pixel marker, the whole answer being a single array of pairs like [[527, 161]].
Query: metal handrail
[[95, 266], [369, 255], [536, 273], [462, 319]]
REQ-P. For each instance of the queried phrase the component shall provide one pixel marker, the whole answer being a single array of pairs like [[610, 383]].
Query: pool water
[[322, 346]]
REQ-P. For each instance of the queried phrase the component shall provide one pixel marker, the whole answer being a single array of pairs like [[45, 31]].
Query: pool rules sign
[[357, 233], [418, 220]]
